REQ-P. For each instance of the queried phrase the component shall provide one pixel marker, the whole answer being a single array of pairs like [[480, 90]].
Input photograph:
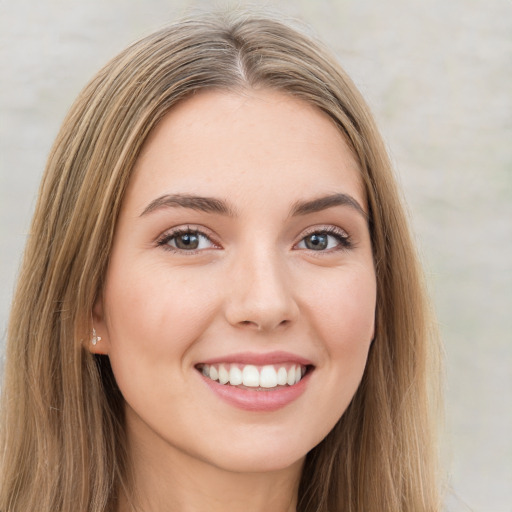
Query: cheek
[[153, 317], [341, 316], [344, 309], [155, 305], [342, 313]]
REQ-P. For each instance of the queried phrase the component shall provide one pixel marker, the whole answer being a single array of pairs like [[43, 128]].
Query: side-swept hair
[[62, 431]]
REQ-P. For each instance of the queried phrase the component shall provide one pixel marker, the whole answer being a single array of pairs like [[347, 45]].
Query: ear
[[374, 331], [98, 342]]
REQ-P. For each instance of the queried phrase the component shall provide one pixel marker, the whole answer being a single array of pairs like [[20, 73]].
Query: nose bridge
[[261, 291]]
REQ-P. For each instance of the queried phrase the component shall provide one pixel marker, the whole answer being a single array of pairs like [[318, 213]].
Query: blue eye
[[186, 240], [325, 240]]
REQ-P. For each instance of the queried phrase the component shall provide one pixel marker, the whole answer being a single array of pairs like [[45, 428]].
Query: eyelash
[[164, 240], [342, 237], [344, 240]]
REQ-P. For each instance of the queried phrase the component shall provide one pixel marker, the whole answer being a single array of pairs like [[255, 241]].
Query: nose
[[260, 293]]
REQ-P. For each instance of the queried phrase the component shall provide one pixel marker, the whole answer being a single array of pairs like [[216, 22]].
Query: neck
[[168, 480]]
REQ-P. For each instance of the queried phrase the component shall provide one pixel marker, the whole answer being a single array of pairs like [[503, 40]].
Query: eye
[[325, 240], [188, 240]]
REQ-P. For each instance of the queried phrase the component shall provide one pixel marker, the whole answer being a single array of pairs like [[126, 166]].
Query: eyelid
[[345, 239], [163, 238]]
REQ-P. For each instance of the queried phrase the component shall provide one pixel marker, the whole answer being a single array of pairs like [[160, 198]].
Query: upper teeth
[[268, 376]]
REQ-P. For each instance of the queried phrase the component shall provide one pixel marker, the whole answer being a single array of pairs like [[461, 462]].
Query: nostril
[[251, 323], [261, 327]]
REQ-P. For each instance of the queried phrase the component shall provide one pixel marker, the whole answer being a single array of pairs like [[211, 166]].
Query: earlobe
[[97, 342]]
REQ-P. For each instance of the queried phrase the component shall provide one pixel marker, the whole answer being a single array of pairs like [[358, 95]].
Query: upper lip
[[259, 359]]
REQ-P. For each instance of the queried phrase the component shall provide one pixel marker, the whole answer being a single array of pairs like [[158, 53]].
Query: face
[[239, 303]]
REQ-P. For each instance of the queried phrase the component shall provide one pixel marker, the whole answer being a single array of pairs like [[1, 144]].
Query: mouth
[[255, 377], [259, 383]]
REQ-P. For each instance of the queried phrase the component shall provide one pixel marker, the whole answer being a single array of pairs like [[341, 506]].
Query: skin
[[253, 285]]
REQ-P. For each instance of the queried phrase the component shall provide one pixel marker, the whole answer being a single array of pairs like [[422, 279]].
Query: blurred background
[[438, 77]]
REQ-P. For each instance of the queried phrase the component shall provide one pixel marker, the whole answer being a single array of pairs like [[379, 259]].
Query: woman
[[219, 305]]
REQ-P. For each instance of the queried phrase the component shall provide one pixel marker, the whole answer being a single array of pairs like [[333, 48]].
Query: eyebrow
[[202, 204], [325, 202], [213, 205]]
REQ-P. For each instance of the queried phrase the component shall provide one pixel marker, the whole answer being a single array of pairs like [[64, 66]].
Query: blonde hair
[[62, 431]]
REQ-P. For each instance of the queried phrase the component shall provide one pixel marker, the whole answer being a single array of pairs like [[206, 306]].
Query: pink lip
[[258, 401], [260, 359], [262, 400]]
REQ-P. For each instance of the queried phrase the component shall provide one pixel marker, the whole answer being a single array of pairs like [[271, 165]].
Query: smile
[[265, 377], [257, 382]]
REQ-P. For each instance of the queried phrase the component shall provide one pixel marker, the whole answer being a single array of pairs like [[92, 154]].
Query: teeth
[[223, 374], [268, 376], [214, 374], [282, 376], [291, 376], [235, 376], [250, 376]]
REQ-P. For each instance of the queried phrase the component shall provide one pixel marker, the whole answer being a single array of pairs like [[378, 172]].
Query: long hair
[[62, 431]]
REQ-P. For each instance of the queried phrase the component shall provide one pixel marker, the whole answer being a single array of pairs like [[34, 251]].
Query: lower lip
[[258, 401]]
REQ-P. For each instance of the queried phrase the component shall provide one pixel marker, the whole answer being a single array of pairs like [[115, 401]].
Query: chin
[[261, 454], [261, 461]]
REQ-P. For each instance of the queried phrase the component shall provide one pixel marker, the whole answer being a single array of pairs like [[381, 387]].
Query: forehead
[[229, 144]]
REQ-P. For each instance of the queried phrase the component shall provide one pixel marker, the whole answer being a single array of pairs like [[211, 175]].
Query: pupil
[[187, 241], [316, 242]]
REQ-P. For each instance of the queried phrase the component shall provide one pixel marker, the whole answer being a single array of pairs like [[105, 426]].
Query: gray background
[[438, 76]]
